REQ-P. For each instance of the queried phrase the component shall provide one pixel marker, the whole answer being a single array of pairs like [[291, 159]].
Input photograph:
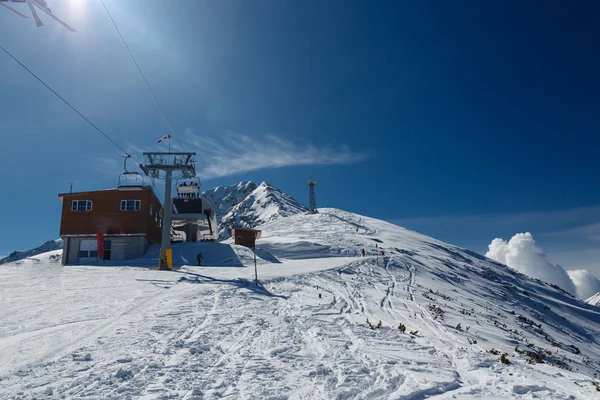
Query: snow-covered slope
[[265, 203], [224, 198], [324, 323], [22, 254], [594, 300]]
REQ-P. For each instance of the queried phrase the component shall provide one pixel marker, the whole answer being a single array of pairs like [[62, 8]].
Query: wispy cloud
[[106, 164], [552, 217], [234, 153], [589, 231]]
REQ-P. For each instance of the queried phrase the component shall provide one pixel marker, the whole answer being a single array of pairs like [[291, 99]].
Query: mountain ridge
[[18, 255]]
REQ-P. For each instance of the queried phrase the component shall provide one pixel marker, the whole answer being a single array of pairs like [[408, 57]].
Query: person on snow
[[199, 258], [363, 252]]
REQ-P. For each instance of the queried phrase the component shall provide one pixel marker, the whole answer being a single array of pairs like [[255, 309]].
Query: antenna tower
[[312, 203]]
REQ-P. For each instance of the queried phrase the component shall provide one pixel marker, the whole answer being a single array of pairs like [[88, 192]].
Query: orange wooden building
[[129, 220]]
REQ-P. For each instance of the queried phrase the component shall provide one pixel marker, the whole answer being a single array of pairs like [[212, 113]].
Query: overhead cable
[[142, 75]]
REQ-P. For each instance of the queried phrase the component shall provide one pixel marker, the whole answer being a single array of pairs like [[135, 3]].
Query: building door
[[107, 248], [118, 251], [88, 251]]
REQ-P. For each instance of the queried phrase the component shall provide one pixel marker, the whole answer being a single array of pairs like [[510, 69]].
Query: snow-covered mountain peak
[[248, 185], [265, 203], [224, 198]]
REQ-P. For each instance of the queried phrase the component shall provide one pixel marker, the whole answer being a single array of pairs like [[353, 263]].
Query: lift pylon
[[168, 162]]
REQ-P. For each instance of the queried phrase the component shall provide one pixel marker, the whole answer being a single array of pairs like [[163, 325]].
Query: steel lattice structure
[[312, 202]]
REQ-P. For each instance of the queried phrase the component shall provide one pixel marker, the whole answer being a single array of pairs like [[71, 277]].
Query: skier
[[199, 258], [363, 252]]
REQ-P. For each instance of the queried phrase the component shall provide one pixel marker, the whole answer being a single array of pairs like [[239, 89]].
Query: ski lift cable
[[68, 104], [142, 75], [80, 114]]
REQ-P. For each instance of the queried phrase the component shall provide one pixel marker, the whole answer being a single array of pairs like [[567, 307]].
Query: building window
[[81, 205], [151, 209], [88, 250], [88, 254], [130, 205]]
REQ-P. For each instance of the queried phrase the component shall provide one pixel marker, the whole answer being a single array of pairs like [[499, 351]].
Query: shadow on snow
[[238, 283]]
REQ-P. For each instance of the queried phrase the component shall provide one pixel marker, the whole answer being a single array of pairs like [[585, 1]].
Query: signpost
[[255, 269]]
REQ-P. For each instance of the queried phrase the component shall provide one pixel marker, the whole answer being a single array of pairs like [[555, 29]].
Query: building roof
[[246, 229], [61, 195], [86, 191]]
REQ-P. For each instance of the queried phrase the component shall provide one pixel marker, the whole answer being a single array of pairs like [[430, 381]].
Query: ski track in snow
[[209, 332]]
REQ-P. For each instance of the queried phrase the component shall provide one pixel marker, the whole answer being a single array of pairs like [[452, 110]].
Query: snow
[[129, 332], [594, 300]]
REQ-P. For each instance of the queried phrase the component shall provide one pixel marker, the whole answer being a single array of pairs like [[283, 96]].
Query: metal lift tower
[[168, 162], [312, 206]]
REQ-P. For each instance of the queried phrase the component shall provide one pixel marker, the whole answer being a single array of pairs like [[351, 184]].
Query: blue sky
[[465, 120]]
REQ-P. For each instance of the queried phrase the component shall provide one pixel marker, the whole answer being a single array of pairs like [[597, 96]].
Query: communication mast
[[312, 203], [168, 162]]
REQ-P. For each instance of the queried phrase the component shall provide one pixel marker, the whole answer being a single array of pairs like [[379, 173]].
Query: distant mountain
[[594, 300], [224, 198], [264, 204], [22, 254]]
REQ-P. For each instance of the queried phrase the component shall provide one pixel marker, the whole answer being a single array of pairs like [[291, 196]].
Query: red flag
[[163, 138], [100, 241]]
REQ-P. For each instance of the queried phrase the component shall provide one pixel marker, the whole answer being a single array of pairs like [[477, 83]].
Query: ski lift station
[[121, 223]]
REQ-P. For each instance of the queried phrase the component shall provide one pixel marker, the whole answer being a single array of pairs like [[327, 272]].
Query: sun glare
[[77, 7]]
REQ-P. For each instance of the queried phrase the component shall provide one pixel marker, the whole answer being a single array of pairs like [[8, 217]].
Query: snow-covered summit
[[594, 300], [265, 203], [224, 198], [17, 255]]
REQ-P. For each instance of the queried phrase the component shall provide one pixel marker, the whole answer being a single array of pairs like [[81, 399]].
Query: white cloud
[[587, 284], [521, 253], [233, 153]]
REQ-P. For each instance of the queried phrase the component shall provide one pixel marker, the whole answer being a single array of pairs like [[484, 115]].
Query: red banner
[[100, 239]]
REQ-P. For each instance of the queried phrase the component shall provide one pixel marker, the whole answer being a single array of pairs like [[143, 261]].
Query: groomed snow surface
[[129, 332]]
